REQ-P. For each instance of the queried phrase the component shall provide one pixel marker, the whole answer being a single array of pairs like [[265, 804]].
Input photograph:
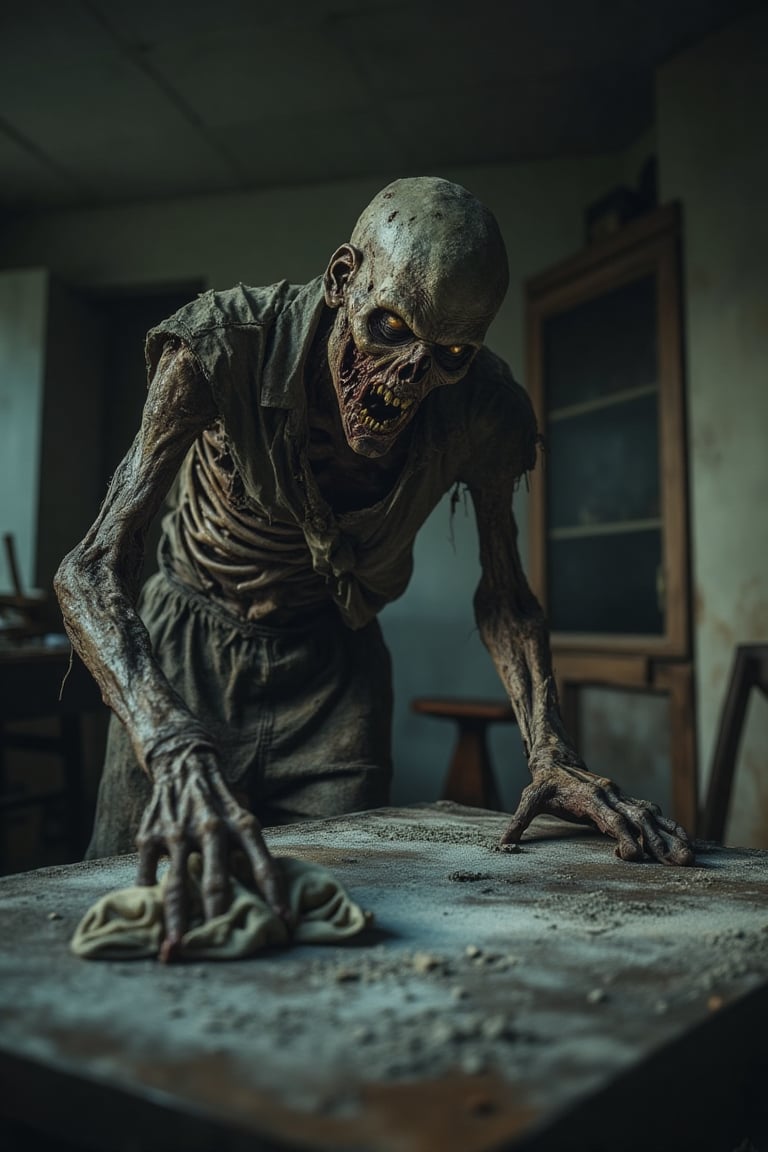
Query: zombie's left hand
[[560, 787]]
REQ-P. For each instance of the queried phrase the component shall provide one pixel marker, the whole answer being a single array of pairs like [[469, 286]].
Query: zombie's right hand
[[192, 809]]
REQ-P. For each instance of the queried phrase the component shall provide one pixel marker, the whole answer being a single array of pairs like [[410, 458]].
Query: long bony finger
[[150, 851], [216, 885], [267, 873], [175, 902], [533, 801]]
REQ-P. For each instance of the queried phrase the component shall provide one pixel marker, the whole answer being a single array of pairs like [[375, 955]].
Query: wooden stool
[[470, 778]]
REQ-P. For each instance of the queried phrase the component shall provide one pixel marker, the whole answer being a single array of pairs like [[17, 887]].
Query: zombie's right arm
[[96, 585], [97, 581]]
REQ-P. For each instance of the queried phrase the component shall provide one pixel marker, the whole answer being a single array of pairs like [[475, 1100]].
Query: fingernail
[[170, 949]]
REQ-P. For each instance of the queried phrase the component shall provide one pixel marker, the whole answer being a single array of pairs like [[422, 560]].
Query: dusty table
[[554, 998]]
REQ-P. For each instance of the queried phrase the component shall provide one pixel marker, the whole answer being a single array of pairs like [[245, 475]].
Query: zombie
[[301, 436]]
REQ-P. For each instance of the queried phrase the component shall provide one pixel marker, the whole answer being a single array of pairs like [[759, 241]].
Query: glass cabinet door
[[608, 524]]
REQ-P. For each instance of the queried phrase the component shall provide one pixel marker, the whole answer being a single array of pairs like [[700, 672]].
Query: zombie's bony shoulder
[[501, 415]]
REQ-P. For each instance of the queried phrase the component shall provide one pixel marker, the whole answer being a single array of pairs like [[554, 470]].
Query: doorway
[[125, 316]]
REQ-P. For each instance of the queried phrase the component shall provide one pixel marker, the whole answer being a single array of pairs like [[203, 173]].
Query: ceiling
[[109, 101]]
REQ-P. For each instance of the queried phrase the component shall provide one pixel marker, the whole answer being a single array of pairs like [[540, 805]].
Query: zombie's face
[[416, 288]]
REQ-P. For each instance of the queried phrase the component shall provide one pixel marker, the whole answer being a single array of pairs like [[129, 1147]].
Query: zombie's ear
[[341, 267]]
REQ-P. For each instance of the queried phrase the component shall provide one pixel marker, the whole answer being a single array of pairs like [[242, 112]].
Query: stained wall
[[712, 111]]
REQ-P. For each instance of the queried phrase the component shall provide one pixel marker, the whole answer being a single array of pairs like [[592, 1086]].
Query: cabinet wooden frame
[[649, 245]]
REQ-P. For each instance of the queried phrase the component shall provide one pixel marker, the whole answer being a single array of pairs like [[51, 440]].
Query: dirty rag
[[129, 923]]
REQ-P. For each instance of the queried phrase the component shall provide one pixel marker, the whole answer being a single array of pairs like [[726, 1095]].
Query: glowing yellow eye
[[394, 323], [456, 349]]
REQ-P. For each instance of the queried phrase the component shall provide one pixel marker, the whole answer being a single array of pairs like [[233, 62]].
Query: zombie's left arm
[[514, 630]]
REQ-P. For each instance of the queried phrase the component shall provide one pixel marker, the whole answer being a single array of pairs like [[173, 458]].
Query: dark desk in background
[[551, 1000], [36, 683]]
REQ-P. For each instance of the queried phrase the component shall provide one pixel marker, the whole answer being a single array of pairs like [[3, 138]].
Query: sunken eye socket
[[454, 356], [389, 327], [392, 329]]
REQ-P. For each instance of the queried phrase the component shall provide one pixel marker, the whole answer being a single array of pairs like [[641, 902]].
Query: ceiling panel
[[236, 74], [148, 165], [285, 151], [103, 100], [156, 22], [26, 176], [56, 31], [532, 118], [109, 100]]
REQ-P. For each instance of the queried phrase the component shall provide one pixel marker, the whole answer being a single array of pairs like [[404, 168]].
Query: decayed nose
[[416, 368]]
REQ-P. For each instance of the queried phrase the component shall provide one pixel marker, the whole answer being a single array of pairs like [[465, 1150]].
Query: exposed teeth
[[391, 398], [376, 425], [393, 401]]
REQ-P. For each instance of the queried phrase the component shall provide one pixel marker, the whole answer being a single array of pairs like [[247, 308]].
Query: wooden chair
[[22, 616], [749, 670]]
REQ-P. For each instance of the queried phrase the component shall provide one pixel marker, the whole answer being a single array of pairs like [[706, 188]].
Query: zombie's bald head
[[432, 240], [418, 284]]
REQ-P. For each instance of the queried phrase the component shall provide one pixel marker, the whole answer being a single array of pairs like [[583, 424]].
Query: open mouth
[[381, 410], [369, 407]]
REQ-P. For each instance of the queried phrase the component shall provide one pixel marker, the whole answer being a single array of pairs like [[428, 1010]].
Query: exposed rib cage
[[255, 565]]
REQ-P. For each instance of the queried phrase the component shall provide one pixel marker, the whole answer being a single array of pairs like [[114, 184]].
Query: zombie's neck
[[346, 480]]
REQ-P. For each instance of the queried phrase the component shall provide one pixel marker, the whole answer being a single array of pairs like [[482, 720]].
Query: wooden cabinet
[[609, 553], [608, 515]]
